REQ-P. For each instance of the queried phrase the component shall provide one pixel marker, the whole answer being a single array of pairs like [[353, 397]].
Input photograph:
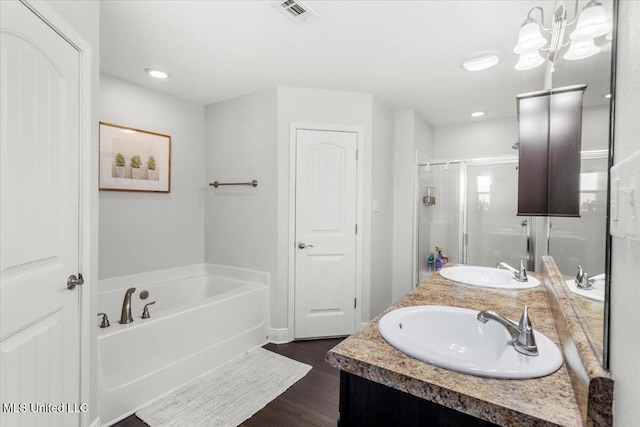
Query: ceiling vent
[[295, 10]]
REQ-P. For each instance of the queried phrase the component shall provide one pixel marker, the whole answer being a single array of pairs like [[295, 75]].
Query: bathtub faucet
[[126, 317], [519, 275]]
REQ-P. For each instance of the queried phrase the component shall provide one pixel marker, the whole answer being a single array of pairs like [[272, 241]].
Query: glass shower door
[[439, 213], [494, 232]]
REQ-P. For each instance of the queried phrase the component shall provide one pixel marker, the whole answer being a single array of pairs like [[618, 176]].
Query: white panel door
[[39, 139], [325, 261]]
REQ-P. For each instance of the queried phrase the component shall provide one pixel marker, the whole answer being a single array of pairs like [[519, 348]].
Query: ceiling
[[406, 53]]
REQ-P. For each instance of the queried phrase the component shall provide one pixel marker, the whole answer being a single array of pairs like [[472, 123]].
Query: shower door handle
[[303, 245]]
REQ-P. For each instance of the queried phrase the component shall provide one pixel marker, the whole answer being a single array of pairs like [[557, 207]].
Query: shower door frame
[[463, 216], [538, 229]]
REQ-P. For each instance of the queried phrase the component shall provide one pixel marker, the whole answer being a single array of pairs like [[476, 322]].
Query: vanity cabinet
[[381, 386], [368, 403]]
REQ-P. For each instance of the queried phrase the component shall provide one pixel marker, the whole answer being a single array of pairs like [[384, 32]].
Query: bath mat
[[228, 395]]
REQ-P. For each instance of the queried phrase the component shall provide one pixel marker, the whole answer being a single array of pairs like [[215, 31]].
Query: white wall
[[241, 222], [382, 208], [411, 133], [595, 128], [624, 341], [490, 138], [142, 232], [483, 138]]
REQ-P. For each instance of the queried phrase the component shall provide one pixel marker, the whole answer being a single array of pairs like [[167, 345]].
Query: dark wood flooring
[[312, 401]]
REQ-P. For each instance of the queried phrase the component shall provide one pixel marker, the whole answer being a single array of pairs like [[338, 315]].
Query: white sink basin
[[595, 293], [453, 338], [486, 277]]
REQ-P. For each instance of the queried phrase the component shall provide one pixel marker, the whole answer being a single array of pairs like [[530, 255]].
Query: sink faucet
[[582, 281], [522, 337], [519, 275], [125, 316]]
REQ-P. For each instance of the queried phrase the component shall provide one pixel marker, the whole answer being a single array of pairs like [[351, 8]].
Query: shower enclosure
[[469, 209]]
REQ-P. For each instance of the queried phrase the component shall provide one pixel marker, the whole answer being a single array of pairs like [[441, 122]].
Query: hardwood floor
[[312, 401]]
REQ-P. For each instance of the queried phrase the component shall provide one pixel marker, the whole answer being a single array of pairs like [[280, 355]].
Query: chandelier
[[591, 23]]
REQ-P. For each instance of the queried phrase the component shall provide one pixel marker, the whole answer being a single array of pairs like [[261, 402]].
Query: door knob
[[303, 245], [72, 281]]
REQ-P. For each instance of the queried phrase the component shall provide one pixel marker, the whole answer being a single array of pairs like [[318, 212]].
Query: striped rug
[[228, 395]]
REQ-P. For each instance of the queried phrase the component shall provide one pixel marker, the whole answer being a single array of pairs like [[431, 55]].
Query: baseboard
[[279, 335]]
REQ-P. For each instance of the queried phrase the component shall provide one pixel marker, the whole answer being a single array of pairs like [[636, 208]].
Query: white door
[[39, 139], [325, 261]]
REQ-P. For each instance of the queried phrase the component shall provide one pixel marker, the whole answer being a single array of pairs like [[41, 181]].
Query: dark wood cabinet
[[550, 135], [367, 403]]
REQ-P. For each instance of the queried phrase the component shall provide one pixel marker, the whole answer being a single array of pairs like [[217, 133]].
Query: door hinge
[[355, 302], [356, 228]]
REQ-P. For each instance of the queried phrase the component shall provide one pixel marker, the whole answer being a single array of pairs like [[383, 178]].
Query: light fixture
[[158, 74], [478, 113], [127, 131], [481, 61], [592, 22], [580, 49], [529, 59]]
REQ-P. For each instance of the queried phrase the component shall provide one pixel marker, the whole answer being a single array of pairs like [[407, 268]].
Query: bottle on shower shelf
[[439, 258], [431, 262]]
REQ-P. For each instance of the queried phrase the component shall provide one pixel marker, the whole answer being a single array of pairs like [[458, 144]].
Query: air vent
[[295, 10]]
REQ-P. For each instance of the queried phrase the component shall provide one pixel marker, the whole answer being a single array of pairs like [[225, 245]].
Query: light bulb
[[158, 74], [480, 62]]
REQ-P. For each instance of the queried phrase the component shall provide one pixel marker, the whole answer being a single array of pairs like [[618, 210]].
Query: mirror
[[407, 55], [582, 241]]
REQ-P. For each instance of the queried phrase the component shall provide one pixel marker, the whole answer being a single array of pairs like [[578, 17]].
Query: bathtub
[[204, 316]]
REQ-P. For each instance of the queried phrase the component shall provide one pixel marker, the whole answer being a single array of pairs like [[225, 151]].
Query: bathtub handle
[[303, 245], [105, 320], [145, 310]]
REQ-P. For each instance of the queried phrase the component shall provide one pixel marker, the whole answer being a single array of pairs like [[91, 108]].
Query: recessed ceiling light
[[478, 113], [480, 61], [158, 74]]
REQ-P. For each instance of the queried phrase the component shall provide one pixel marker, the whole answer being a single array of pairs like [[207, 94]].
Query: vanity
[[379, 385]]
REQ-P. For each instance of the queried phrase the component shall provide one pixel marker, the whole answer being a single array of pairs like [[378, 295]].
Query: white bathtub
[[204, 316]]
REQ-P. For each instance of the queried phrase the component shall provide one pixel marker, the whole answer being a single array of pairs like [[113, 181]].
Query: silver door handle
[[72, 281], [303, 245]]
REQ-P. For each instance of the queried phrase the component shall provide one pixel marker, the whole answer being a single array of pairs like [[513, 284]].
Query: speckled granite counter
[[547, 401]]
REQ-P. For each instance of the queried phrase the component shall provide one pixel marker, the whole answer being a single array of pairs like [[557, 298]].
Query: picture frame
[[134, 160]]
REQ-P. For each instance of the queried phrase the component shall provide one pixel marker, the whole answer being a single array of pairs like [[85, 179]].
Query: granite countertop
[[546, 401]]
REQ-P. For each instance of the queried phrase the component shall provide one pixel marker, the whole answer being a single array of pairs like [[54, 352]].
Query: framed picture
[[134, 159]]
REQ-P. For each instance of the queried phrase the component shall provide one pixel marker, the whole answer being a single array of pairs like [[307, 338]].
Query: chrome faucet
[[582, 281], [519, 275], [125, 316], [522, 337]]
